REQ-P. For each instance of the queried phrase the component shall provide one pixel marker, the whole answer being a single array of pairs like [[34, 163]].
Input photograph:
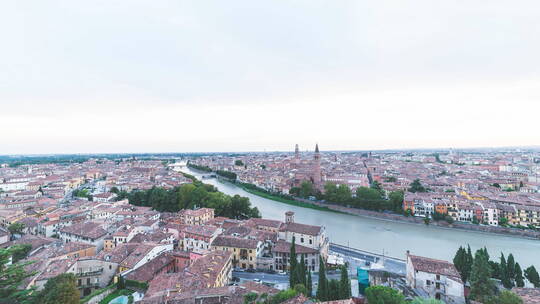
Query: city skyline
[[244, 76]]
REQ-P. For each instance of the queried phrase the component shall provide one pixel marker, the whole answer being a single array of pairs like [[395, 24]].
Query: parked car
[[257, 280], [282, 272], [251, 270]]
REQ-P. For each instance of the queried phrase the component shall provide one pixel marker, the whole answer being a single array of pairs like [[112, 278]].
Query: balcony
[[89, 273]]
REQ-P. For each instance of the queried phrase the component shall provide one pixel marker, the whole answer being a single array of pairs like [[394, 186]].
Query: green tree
[[121, 283], [511, 268], [301, 271], [503, 273], [460, 262], [344, 284], [300, 288], [416, 186], [114, 190], [482, 288], [11, 277], [306, 189], [322, 288], [384, 295], [343, 194], [309, 283], [532, 276], [238, 162], [250, 297], [333, 290], [60, 289], [396, 200], [20, 251], [16, 228], [519, 276], [293, 262]]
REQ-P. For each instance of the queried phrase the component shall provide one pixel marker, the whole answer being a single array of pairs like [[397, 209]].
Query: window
[[301, 240], [428, 282]]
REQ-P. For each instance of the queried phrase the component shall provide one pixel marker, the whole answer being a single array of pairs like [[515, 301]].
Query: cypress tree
[[505, 279], [468, 262], [519, 276], [333, 290], [532, 275], [511, 267], [482, 288], [301, 271], [292, 265], [344, 284], [322, 288], [309, 284], [460, 261]]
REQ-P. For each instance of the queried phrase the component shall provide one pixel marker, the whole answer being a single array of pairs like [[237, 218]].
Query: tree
[[300, 288], [309, 283], [293, 262], [460, 262], [11, 277], [20, 251], [396, 200], [322, 288], [481, 285], [333, 290], [60, 289], [16, 228], [344, 284], [301, 271], [121, 283], [115, 190], [519, 276], [511, 268], [384, 295], [416, 186], [532, 276], [503, 273], [306, 189], [238, 162]]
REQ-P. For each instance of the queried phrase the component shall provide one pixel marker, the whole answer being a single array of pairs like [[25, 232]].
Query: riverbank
[[529, 234], [286, 201]]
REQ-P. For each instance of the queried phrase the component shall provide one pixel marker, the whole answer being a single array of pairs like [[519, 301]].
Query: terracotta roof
[[528, 295], [435, 266], [231, 241], [285, 247], [301, 228], [88, 229]]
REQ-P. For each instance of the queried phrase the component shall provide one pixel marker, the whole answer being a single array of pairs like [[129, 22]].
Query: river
[[394, 238]]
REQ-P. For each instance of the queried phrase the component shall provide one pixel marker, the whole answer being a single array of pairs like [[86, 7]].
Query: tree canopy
[[190, 196]]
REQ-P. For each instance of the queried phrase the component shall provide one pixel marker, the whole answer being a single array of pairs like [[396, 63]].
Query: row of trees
[[480, 271], [226, 174], [298, 273], [331, 290], [371, 198], [507, 269], [199, 167], [189, 196]]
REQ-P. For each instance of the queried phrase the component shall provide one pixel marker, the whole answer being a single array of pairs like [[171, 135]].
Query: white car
[[257, 280], [282, 273]]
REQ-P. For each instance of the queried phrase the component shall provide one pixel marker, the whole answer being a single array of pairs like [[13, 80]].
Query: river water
[[394, 238]]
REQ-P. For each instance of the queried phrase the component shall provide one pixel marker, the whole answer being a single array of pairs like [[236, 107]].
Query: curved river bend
[[395, 238]]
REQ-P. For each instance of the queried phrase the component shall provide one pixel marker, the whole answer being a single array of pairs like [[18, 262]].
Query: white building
[[438, 279]]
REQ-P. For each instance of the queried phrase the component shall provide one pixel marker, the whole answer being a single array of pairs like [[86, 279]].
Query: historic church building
[[307, 170]]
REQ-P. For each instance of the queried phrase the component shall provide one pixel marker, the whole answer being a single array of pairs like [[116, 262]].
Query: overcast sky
[[183, 76]]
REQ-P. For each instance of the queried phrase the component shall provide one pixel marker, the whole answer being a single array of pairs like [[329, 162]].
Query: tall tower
[[296, 154], [289, 217], [317, 168]]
